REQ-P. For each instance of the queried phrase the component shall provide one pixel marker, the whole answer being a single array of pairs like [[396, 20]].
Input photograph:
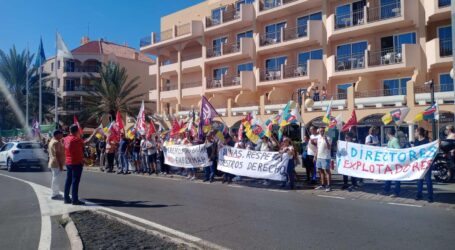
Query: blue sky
[[120, 21]]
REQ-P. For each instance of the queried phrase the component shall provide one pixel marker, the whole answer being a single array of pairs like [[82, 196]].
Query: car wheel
[[9, 165]]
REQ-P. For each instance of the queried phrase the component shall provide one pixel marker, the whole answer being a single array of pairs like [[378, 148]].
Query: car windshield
[[28, 145]]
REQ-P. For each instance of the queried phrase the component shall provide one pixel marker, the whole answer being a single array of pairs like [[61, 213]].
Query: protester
[[137, 154], [450, 132], [122, 152], [102, 150], [421, 136], [393, 143], [310, 163], [188, 141], [324, 93], [56, 162], [211, 147], [111, 148], [145, 167], [349, 138], [316, 94], [287, 151], [372, 139], [323, 159], [228, 141], [151, 155], [74, 152]]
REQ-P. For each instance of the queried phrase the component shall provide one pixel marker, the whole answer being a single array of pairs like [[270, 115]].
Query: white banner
[[254, 164], [186, 156], [389, 164]]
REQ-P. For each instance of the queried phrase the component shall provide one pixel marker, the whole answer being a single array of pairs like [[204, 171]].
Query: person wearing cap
[[56, 162], [74, 153]]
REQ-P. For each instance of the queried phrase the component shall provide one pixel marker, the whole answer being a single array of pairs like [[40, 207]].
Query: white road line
[[49, 208], [275, 190], [236, 186], [404, 204], [330, 196]]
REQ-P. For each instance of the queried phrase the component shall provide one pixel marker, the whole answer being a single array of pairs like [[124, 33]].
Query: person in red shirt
[[74, 154]]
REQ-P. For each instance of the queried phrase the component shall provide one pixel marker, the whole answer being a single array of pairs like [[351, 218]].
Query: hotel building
[[253, 56]]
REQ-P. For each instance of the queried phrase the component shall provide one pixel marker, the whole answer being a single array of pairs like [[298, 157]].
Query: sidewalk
[[444, 193]]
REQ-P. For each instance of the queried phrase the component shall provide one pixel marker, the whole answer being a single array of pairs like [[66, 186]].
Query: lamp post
[[433, 121]]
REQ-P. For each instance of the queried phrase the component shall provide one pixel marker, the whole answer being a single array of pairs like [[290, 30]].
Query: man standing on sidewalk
[[56, 162], [74, 152]]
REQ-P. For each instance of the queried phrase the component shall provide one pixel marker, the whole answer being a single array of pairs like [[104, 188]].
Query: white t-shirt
[[372, 140], [323, 149], [312, 149], [151, 147]]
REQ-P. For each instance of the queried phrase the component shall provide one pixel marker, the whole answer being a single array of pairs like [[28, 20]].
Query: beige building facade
[[371, 56]]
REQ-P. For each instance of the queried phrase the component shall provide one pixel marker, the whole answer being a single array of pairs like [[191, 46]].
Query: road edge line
[[72, 233]]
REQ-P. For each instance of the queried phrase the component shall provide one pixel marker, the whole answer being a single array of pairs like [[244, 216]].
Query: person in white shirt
[[310, 161], [145, 164], [323, 159], [151, 155], [372, 139]]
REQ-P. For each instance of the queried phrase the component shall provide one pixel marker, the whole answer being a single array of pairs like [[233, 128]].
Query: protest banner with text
[[389, 164], [254, 164], [186, 156]]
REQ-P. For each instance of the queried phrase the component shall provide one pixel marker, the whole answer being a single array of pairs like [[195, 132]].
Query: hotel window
[[445, 40], [244, 67], [390, 8], [310, 55], [342, 91], [446, 82], [443, 3], [350, 14], [395, 86], [217, 44], [274, 64], [302, 23], [351, 56], [70, 85], [219, 73], [268, 4], [240, 2], [244, 34], [69, 67], [391, 47], [273, 32], [216, 15]]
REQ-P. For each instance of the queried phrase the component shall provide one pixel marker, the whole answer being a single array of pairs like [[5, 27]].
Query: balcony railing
[[191, 56], [184, 29], [385, 57], [223, 50], [295, 32], [72, 106], [226, 81], [168, 62], [165, 35], [271, 4], [79, 88], [225, 16], [170, 87], [384, 12], [349, 62], [381, 92], [89, 69], [292, 71], [271, 74], [145, 41], [437, 88], [353, 19], [443, 3], [191, 85], [445, 47]]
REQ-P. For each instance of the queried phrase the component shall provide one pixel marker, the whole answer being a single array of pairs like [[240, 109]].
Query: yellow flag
[[387, 118], [419, 117]]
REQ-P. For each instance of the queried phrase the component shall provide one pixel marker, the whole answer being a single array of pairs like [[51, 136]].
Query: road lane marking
[[330, 196], [50, 208], [403, 204], [275, 190]]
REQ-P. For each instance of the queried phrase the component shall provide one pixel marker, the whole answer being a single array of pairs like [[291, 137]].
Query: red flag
[[175, 128], [151, 130], [350, 123], [75, 121], [119, 121]]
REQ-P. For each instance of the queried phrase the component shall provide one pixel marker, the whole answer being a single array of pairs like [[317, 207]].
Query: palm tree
[[115, 92]]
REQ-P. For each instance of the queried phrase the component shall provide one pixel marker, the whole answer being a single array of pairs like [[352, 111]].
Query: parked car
[[14, 155]]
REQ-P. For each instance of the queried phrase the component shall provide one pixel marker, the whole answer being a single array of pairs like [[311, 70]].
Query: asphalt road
[[20, 218], [254, 218]]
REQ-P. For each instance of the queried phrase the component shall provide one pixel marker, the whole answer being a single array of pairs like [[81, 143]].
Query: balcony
[[231, 19], [270, 9], [374, 19], [380, 98], [244, 81], [339, 103], [245, 108], [442, 94], [192, 89], [274, 106], [169, 67], [437, 10], [71, 107], [439, 52], [386, 60], [177, 34], [230, 52], [169, 92], [81, 70], [292, 74], [192, 62], [291, 38]]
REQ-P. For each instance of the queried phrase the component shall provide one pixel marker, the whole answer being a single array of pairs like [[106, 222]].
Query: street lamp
[[433, 121]]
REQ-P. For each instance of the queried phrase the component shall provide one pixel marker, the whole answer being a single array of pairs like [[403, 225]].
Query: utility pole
[[27, 87]]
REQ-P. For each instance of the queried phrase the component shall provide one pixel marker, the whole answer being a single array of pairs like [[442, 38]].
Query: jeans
[[73, 177], [56, 172], [310, 168], [290, 174], [396, 190], [124, 162], [346, 180], [145, 164], [429, 182], [210, 172]]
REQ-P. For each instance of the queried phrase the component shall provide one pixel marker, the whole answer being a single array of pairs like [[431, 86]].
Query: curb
[[166, 236], [72, 233]]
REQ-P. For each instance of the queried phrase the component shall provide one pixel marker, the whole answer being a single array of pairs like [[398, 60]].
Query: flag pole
[[40, 94], [55, 84], [26, 86]]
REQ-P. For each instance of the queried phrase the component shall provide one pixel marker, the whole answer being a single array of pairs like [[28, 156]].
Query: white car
[[27, 154]]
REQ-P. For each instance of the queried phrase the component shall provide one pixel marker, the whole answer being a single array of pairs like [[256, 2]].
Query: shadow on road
[[135, 204]]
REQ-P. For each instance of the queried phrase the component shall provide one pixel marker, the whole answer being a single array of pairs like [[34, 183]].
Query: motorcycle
[[444, 163]]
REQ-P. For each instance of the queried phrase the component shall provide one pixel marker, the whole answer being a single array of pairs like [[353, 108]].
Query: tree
[[115, 92], [13, 68]]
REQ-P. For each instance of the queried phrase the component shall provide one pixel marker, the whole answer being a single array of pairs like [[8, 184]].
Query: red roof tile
[[107, 48]]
